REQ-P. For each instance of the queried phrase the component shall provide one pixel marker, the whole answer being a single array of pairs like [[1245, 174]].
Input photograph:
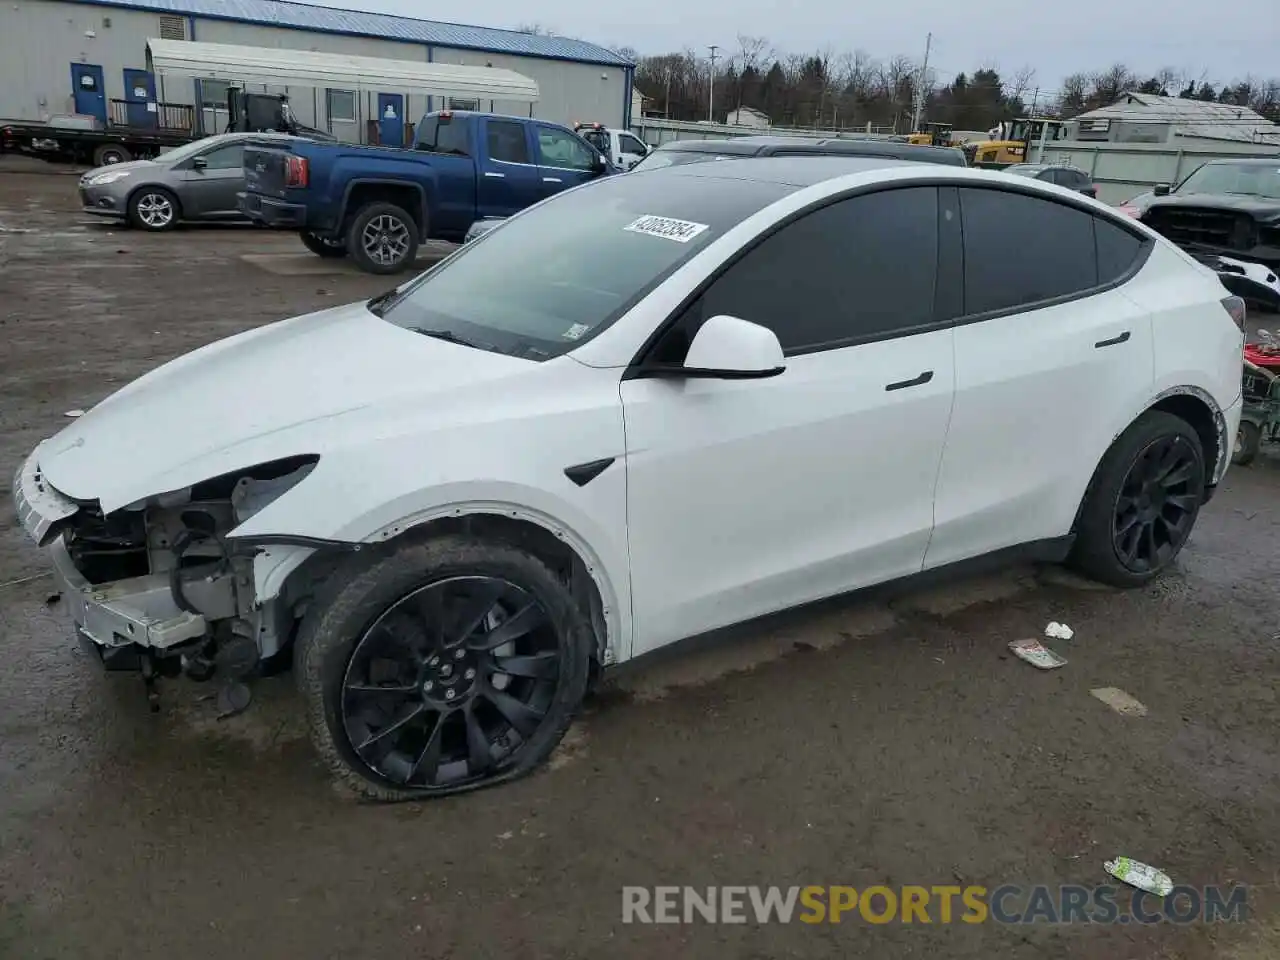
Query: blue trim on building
[[628, 86], [355, 23], [431, 58]]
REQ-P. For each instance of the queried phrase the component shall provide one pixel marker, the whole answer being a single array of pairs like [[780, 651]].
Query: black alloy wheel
[[448, 684], [1157, 505]]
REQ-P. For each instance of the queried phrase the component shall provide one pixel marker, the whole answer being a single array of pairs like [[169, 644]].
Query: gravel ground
[[886, 739]]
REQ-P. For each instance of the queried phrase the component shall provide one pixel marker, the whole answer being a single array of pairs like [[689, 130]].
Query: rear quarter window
[[1118, 250]]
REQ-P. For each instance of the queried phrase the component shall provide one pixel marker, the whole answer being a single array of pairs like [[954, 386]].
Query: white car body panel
[[845, 468], [1037, 404]]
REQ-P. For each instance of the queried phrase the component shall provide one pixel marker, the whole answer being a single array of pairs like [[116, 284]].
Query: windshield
[[178, 154], [1031, 170], [677, 158], [556, 275], [1248, 179]]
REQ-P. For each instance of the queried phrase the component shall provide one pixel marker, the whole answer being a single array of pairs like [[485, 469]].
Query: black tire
[[333, 634], [386, 251], [1248, 441], [109, 153], [324, 246], [147, 209], [1117, 494]]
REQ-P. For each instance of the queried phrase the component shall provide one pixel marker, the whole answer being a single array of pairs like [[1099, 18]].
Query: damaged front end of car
[[163, 585]]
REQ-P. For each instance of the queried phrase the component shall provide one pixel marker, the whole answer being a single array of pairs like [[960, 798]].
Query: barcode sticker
[[681, 231]]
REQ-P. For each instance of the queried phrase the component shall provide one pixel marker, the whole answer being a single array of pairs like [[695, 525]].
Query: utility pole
[[711, 86], [1035, 101], [919, 91]]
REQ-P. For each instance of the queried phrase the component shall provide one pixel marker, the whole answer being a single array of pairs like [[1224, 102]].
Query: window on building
[[460, 103], [342, 105], [173, 28], [213, 94]]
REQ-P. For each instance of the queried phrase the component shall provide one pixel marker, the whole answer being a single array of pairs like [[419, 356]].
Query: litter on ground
[[1140, 875], [1058, 631], [1036, 654], [1120, 702]]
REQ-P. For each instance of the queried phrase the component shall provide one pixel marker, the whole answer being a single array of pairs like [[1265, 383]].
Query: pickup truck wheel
[[153, 208], [110, 153], [440, 666], [383, 239], [324, 246]]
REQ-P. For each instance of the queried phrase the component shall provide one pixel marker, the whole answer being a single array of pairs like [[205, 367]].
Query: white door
[[750, 496], [1060, 365]]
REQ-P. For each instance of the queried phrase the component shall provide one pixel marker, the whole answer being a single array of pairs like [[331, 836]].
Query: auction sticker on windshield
[[681, 231]]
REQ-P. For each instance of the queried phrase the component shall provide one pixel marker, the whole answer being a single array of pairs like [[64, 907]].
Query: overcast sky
[[1056, 39]]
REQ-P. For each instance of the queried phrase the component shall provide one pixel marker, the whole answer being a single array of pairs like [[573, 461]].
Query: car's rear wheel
[[329, 247], [441, 667], [109, 153], [383, 238], [1142, 503], [153, 208]]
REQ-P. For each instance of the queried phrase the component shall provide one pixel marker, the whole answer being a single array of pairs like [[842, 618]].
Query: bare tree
[[1020, 84], [752, 54]]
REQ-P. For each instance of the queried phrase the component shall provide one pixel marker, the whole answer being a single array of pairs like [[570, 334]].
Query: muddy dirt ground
[[879, 740]]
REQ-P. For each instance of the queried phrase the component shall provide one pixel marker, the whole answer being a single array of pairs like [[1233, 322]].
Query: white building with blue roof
[[90, 57]]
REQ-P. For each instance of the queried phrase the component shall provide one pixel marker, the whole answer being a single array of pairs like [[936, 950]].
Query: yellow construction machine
[[1014, 141]]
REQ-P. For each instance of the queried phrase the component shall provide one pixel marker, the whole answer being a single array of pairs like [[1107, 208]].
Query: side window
[[631, 145], [506, 141], [559, 148], [858, 269], [225, 158], [1117, 249], [451, 137], [1021, 250]]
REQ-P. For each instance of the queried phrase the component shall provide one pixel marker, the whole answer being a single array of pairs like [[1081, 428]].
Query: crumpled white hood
[[250, 398]]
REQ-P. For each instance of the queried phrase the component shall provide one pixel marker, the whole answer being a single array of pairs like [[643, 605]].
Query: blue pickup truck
[[375, 204]]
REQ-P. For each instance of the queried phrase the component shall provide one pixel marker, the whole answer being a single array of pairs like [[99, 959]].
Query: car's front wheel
[[1142, 503], [383, 238], [442, 666], [153, 208]]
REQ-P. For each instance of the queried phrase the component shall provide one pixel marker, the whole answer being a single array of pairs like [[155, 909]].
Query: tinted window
[[1117, 249], [225, 158], [857, 269], [677, 158], [559, 148], [598, 139], [554, 276], [1021, 250], [631, 145], [442, 136], [506, 141]]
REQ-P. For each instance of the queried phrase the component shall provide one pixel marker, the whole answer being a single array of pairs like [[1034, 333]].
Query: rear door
[[564, 160], [508, 175], [209, 189], [1053, 359]]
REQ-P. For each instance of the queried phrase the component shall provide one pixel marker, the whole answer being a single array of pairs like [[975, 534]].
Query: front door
[[140, 98], [750, 496], [88, 90], [1050, 367], [391, 119], [564, 160], [211, 182]]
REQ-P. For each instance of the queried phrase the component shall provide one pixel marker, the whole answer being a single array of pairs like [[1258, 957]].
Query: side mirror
[[199, 163], [729, 348], [1161, 190], [598, 163]]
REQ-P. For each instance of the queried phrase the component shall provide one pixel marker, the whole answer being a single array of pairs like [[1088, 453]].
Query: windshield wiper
[[448, 336]]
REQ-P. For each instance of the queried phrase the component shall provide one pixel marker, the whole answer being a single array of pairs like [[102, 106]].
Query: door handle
[[496, 176], [552, 180], [915, 382], [1113, 341]]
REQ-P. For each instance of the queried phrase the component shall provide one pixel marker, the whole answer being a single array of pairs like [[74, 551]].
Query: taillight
[[1129, 210], [1235, 307], [296, 172]]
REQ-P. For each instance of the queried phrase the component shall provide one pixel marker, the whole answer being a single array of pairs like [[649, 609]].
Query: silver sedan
[[197, 181]]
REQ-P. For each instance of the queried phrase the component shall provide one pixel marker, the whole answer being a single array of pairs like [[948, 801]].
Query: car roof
[[1244, 162], [759, 146]]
